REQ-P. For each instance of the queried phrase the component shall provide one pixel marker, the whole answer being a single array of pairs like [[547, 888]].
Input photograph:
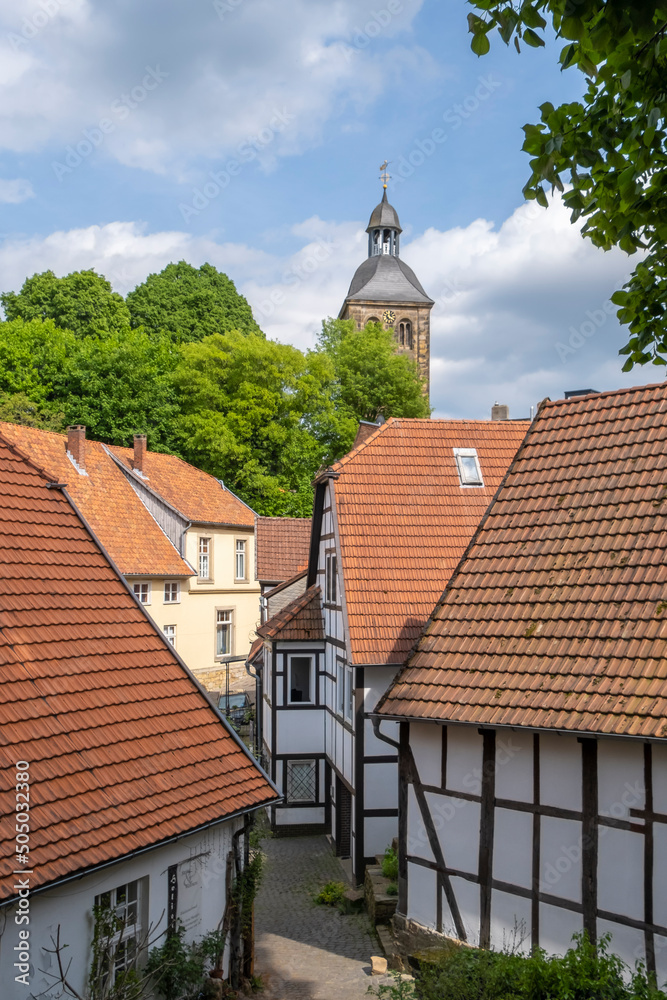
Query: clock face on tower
[[388, 316]]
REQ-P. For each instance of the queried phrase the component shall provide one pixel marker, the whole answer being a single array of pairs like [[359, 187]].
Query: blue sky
[[250, 132]]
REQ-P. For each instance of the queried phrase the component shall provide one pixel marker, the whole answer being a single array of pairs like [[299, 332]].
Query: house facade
[[389, 518], [183, 541], [531, 716], [129, 790]]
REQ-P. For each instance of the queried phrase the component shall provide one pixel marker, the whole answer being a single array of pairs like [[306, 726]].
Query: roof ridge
[[25, 458], [353, 452]]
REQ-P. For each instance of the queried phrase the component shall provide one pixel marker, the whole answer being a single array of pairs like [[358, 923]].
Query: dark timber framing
[[640, 821]]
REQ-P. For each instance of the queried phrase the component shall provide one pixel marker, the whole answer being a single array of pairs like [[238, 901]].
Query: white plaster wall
[[300, 731], [626, 942], [560, 858], [557, 927], [464, 759], [293, 817], [379, 831], [560, 771], [514, 766], [377, 680], [660, 874], [381, 787], [467, 897], [426, 746], [661, 958], [457, 824], [422, 895], [201, 860], [621, 872], [417, 842], [510, 922], [660, 778], [620, 777], [513, 847], [374, 747]]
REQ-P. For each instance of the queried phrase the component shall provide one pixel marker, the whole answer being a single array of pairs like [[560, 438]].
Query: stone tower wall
[[418, 315]]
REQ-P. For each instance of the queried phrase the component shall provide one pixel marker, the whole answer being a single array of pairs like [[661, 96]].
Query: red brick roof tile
[[298, 621], [405, 520], [124, 749], [282, 547], [557, 616]]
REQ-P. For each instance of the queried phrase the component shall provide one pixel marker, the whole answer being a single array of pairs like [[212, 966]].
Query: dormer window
[[468, 467]]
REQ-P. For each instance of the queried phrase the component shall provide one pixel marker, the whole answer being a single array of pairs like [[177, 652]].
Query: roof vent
[[76, 446], [579, 392], [140, 448], [500, 411]]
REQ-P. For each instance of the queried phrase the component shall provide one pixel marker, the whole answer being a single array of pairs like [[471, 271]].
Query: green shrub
[[390, 864], [392, 889], [331, 894], [583, 973]]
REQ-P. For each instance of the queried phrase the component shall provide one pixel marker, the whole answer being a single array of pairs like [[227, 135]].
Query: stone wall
[[419, 316], [215, 679]]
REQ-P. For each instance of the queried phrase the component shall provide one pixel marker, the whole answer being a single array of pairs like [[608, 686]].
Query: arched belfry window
[[405, 333], [376, 241], [372, 319], [386, 241]]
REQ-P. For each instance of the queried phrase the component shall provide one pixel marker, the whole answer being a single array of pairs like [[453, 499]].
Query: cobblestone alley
[[305, 951]]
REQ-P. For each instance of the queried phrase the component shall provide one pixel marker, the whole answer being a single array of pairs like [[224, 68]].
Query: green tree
[[34, 365], [252, 412], [372, 379], [82, 302], [190, 303], [610, 149]]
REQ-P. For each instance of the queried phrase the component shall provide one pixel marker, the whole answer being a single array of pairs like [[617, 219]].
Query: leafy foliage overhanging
[[183, 361], [607, 155]]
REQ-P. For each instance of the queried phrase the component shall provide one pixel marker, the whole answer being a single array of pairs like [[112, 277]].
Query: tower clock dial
[[389, 316]]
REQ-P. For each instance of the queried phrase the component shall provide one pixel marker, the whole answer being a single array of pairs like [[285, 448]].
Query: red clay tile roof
[[124, 749], [557, 616], [255, 649], [196, 495], [282, 547], [298, 621], [131, 536], [405, 520]]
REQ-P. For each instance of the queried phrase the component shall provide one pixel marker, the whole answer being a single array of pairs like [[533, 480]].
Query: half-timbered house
[[389, 519], [533, 714]]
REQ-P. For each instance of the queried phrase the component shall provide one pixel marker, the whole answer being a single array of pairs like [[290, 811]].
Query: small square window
[[170, 634], [468, 467], [301, 780], [172, 593], [300, 679], [143, 592]]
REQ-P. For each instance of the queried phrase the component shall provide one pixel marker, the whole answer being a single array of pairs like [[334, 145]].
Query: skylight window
[[468, 466]]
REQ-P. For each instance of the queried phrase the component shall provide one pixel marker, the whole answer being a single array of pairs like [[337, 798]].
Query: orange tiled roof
[[298, 621], [120, 740], [119, 519], [405, 520], [196, 495], [282, 547], [557, 616]]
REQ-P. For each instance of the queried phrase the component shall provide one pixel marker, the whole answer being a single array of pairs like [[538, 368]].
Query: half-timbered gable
[[533, 740], [389, 518]]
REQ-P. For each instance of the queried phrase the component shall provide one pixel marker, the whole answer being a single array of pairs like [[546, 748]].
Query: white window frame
[[135, 931], [207, 555], [218, 623], [139, 589], [241, 552], [301, 656], [168, 592], [462, 453], [170, 634], [301, 763]]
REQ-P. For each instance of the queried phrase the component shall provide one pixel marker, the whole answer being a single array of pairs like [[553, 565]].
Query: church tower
[[385, 290]]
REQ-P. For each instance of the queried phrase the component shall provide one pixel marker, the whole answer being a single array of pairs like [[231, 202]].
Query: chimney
[[76, 444], [500, 411], [140, 448]]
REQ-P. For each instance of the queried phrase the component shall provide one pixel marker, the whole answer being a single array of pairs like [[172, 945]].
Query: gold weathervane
[[384, 176]]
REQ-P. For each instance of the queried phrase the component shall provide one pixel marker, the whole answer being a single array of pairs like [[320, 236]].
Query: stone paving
[[304, 951]]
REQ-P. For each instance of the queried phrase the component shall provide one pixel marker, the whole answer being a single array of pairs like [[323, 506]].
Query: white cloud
[[522, 310], [228, 67], [15, 191]]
